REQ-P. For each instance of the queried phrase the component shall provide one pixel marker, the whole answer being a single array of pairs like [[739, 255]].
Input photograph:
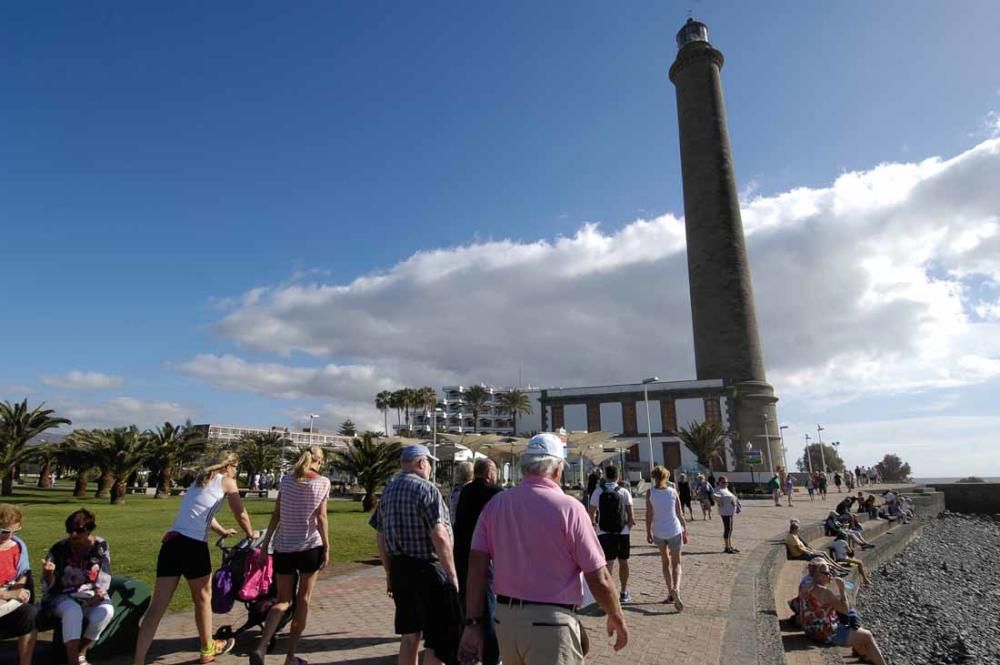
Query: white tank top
[[666, 524], [198, 508]]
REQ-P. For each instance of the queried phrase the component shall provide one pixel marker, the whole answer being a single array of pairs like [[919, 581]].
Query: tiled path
[[351, 621]]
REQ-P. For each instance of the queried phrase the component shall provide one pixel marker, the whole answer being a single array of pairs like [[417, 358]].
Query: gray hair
[[463, 473], [540, 465], [482, 467]]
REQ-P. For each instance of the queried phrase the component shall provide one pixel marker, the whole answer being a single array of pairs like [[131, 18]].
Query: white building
[[230, 433], [454, 415]]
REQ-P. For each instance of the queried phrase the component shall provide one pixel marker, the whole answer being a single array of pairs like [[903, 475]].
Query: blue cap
[[414, 451]]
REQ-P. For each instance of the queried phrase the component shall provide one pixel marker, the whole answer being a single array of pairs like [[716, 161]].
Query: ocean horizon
[[928, 481]]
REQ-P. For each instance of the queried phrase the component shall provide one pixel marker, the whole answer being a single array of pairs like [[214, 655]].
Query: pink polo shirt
[[540, 541]]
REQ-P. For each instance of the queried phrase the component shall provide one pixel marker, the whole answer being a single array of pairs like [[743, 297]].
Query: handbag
[[257, 579]]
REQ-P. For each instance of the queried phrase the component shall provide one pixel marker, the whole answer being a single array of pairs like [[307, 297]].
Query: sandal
[[218, 648]]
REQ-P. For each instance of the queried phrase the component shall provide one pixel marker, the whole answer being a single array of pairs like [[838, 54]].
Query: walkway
[[352, 618]]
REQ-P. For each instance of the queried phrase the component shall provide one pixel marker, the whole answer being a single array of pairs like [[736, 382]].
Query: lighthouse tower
[[726, 341]]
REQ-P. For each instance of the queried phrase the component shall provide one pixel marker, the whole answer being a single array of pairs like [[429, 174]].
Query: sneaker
[[624, 597], [670, 598], [678, 603]]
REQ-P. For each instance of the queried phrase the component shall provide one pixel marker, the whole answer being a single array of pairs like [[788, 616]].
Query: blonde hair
[[660, 475], [216, 464], [9, 515], [463, 473], [314, 455]]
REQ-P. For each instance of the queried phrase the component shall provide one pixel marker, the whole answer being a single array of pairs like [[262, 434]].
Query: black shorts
[[305, 562], [615, 546], [18, 622], [427, 603], [181, 555]]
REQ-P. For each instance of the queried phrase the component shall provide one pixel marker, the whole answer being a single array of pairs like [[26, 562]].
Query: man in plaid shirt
[[415, 546]]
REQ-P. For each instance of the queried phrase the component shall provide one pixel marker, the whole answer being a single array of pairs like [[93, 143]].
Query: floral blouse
[[818, 622], [79, 573]]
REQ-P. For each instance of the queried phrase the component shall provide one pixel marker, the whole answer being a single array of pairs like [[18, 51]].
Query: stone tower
[[726, 341]]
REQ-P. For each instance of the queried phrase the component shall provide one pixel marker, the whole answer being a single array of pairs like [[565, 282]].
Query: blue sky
[[160, 162]]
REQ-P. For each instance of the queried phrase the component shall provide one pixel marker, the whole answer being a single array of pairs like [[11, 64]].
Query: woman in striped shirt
[[301, 540]]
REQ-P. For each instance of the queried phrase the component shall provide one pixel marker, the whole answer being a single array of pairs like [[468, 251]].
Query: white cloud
[[77, 380], [862, 288], [121, 411]]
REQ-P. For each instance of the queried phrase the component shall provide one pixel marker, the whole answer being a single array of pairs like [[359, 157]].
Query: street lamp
[[312, 417], [781, 436], [822, 455], [767, 442], [649, 427], [836, 446], [433, 415], [753, 478], [809, 459]]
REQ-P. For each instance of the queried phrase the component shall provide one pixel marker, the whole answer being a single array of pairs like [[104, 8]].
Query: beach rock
[[935, 603]]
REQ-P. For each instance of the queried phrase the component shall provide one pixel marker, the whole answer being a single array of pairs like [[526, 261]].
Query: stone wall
[[971, 497]]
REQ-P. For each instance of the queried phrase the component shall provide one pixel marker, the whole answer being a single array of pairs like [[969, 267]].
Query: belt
[[511, 602]]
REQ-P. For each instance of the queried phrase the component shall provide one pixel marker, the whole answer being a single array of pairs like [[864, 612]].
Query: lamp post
[[753, 478], [312, 417], [781, 437], [822, 455], [767, 442], [809, 459], [836, 446], [649, 427], [433, 415]]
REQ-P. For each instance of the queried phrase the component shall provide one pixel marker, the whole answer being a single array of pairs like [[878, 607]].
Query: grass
[[134, 530]]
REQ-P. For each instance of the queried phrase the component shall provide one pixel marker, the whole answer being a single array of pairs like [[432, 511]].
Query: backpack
[[223, 593], [611, 510]]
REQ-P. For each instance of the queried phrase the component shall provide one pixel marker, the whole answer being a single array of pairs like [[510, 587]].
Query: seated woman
[[76, 576], [833, 527], [821, 598], [871, 507], [799, 549], [843, 554], [17, 614]]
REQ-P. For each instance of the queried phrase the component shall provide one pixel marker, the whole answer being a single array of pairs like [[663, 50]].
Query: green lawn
[[134, 530]]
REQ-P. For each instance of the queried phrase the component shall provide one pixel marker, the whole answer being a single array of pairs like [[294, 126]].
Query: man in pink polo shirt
[[539, 540]]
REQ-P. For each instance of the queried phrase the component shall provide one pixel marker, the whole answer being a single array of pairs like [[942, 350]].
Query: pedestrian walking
[[539, 540], [729, 506], [774, 485], [463, 476], [822, 485], [184, 552], [667, 530], [684, 492], [703, 489], [613, 516], [416, 548], [471, 502], [837, 480], [789, 488], [301, 536]]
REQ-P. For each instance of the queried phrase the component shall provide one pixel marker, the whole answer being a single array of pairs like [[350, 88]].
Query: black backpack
[[611, 510]]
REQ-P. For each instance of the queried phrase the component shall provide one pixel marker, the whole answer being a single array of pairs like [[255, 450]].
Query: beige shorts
[[538, 635], [675, 543]]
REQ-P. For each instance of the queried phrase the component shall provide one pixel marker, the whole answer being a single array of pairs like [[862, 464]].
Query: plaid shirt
[[409, 509]]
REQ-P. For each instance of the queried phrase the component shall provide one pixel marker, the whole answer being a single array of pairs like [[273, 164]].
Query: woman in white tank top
[[184, 552], [666, 528]]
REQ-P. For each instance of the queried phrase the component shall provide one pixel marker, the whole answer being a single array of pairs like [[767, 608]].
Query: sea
[[930, 481]]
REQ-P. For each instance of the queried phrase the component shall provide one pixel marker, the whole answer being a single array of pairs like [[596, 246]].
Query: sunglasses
[[9, 532], [79, 529]]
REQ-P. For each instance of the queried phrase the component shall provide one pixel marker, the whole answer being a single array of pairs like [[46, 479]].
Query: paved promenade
[[351, 620]]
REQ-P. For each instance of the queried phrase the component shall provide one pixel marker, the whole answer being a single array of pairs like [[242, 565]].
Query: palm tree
[[122, 451], [18, 426], [409, 401], [260, 451], [515, 401], [75, 453], [371, 462], [476, 398], [397, 402], [45, 455], [383, 402], [707, 440], [426, 398], [173, 448]]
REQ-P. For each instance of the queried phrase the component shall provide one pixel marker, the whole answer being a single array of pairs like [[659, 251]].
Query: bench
[[260, 494], [132, 489]]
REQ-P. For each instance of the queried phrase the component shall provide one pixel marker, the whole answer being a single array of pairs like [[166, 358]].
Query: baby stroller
[[229, 579]]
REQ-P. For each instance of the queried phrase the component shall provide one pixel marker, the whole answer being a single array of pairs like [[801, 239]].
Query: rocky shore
[[938, 602]]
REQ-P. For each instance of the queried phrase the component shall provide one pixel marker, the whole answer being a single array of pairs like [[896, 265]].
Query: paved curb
[[752, 634]]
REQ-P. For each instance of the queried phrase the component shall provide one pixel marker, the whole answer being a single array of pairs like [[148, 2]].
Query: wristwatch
[[475, 621]]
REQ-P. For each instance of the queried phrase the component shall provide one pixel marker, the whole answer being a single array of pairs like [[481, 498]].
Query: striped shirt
[[409, 510], [298, 529]]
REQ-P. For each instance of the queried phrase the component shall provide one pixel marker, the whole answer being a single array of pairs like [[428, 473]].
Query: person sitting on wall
[[843, 554], [844, 507], [822, 600], [799, 550], [833, 527], [871, 507]]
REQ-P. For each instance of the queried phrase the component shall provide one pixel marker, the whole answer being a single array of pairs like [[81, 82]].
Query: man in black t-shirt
[[471, 502]]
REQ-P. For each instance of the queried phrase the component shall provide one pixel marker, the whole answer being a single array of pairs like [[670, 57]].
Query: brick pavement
[[351, 621]]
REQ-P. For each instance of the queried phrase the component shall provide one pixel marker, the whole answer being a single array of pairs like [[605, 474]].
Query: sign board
[[755, 457]]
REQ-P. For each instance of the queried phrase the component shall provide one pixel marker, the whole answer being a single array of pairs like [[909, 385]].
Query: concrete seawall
[[971, 497]]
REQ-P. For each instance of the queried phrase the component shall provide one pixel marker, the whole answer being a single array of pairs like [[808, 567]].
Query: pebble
[[937, 601]]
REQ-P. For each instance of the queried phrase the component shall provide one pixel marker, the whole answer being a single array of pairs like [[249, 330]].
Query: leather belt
[[511, 602]]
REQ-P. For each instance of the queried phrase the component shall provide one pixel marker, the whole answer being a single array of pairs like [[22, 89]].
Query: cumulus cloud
[[861, 287], [77, 380], [121, 411]]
